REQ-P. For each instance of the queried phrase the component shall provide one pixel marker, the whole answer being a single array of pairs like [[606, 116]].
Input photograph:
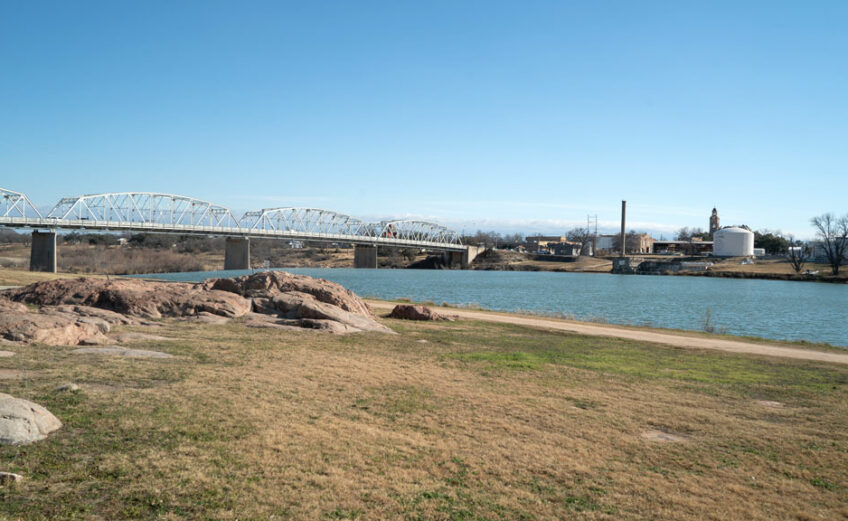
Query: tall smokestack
[[623, 237]]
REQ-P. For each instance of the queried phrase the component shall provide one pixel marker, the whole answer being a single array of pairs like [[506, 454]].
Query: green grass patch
[[511, 348]]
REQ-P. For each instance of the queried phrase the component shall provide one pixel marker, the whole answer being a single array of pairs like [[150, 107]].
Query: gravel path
[[658, 337]]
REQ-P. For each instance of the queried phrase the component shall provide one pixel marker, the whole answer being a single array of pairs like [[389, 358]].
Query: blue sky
[[513, 116]]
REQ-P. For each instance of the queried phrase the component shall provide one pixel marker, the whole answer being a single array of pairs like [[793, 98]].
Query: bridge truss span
[[144, 208], [418, 232], [15, 205], [309, 222]]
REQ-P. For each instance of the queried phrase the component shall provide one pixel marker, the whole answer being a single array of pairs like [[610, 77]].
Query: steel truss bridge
[[167, 213]]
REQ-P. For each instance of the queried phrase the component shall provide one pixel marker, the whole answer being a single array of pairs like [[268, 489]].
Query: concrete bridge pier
[[237, 254], [42, 256], [455, 259], [462, 259], [364, 256]]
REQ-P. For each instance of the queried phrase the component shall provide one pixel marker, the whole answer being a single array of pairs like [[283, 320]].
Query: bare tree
[[490, 239], [833, 233], [514, 240], [582, 235], [683, 234], [795, 253]]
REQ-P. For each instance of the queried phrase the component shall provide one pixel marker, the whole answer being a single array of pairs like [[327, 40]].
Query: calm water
[[763, 308]]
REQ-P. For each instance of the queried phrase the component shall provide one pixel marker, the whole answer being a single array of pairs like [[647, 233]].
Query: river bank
[[775, 268], [748, 308], [90, 259], [470, 419]]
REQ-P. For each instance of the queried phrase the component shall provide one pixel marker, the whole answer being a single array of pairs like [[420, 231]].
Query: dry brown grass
[[19, 277], [482, 421], [769, 266], [123, 260]]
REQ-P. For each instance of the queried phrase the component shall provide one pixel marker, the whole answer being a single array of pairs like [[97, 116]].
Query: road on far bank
[[657, 337]]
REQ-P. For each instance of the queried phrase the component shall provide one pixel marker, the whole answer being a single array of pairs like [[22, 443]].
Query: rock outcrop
[[133, 297], [303, 301], [409, 312], [23, 422], [82, 311]]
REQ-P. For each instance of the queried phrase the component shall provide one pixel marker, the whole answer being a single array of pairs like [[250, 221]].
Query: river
[[781, 310]]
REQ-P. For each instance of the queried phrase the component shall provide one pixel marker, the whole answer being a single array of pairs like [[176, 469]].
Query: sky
[[508, 116]]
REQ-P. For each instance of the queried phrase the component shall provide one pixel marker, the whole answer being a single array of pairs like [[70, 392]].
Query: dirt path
[[672, 339]]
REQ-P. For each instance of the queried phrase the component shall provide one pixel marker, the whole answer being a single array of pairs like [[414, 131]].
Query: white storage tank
[[733, 242]]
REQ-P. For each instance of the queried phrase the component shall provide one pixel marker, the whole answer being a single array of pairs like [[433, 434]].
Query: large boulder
[[409, 312], [315, 314], [270, 283], [305, 301], [50, 327], [22, 421], [133, 297]]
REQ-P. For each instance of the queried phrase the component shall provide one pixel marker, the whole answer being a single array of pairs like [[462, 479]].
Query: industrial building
[[638, 243], [543, 242]]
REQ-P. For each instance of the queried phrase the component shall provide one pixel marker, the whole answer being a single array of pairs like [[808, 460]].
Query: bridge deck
[[223, 231]]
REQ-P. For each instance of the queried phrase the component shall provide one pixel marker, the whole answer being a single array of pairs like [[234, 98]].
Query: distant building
[[638, 243], [645, 244], [568, 248], [693, 247], [819, 254], [715, 222], [542, 242], [605, 243]]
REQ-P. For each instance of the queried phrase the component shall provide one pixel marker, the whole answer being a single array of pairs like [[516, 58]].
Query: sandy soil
[[658, 337]]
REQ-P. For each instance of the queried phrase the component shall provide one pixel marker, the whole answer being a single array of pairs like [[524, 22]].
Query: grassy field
[[16, 277], [453, 421]]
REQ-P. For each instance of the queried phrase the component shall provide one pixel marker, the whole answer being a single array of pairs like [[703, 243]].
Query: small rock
[[7, 478], [328, 326], [121, 351], [408, 312], [131, 337], [94, 341], [662, 436], [5, 354], [260, 320], [208, 318], [67, 388], [23, 422], [422, 341], [769, 403]]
